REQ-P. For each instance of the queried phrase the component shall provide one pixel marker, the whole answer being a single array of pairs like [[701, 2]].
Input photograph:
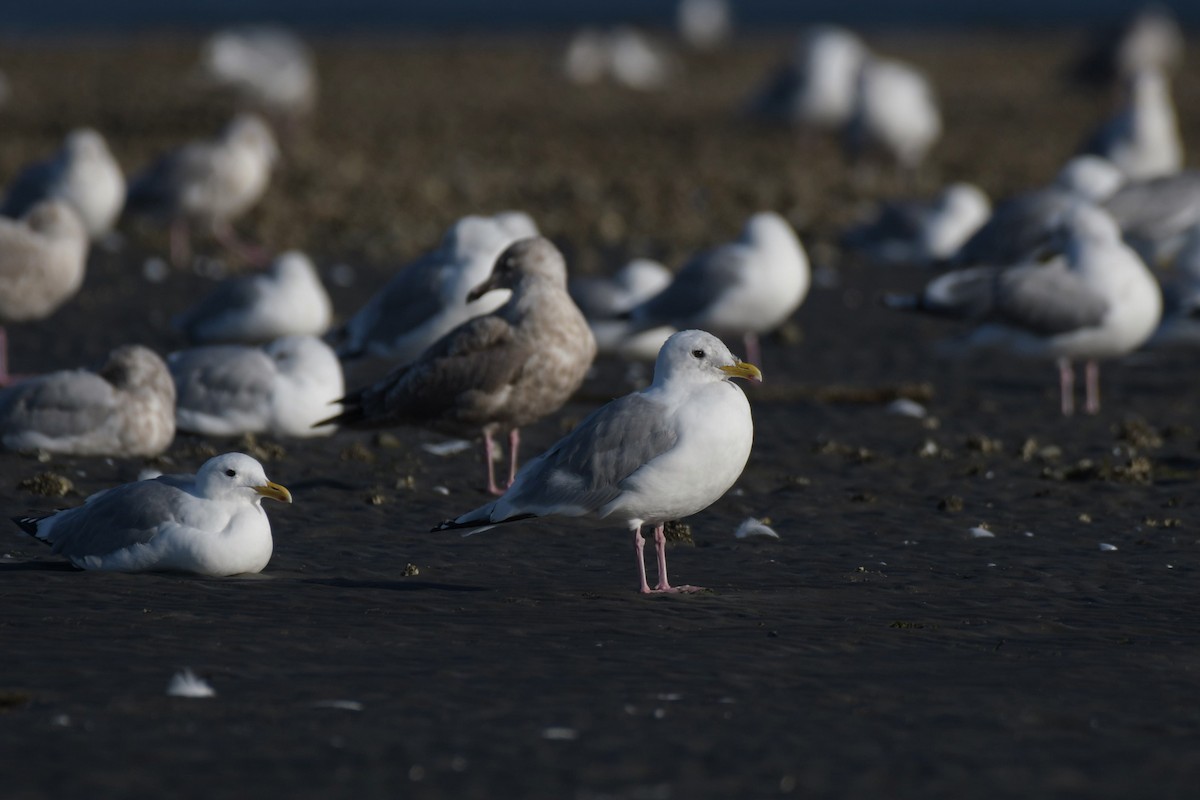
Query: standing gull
[[269, 67], [283, 388], [83, 173], [208, 183], [816, 88], [666, 452], [428, 298], [1142, 138], [286, 300], [42, 260], [211, 523], [497, 372], [126, 408], [895, 111], [746, 288], [1096, 301]]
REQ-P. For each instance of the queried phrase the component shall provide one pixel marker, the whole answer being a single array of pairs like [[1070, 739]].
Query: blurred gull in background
[[1097, 301], [895, 112], [207, 183], [269, 68], [746, 288], [1150, 39], [606, 303], [125, 408], [816, 88], [1142, 138], [83, 173], [287, 299], [1022, 224], [283, 388], [704, 24], [428, 298], [624, 54], [921, 232], [42, 260], [1156, 215], [1180, 325]]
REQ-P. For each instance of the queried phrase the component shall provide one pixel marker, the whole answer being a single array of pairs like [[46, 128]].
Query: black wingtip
[[29, 524]]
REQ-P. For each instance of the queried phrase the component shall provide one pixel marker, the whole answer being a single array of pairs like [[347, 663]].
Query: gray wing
[[220, 381], [116, 518], [62, 404], [700, 283], [451, 377], [30, 187], [596, 297], [226, 299], [586, 469], [1018, 227], [1047, 300], [1159, 207], [410, 299]]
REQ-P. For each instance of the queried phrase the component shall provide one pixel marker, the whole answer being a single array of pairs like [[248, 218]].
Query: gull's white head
[[237, 475], [697, 357], [293, 266], [85, 143], [1091, 177], [515, 224], [251, 132], [1086, 226], [134, 368], [474, 235]]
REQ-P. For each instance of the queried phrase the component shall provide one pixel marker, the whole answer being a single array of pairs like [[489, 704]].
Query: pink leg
[[181, 247], [514, 444], [639, 544], [660, 549], [224, 233], [1066, 383], [753, 352], [1092, 376], [489, 450]]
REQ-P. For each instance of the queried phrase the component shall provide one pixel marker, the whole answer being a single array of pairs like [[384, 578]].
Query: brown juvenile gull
[[497, 372], [42, 260], [126, 408], [208, 183], [666, 452], [83, 173], [210, 523]]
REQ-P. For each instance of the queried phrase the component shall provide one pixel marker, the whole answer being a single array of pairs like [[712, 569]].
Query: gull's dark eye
[[698, 353], [230, 472]]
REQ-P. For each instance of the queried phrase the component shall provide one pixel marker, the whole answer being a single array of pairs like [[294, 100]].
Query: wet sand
[[876, 648]]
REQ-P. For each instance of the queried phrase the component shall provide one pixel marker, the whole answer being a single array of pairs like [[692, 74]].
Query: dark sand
[[875, 649]]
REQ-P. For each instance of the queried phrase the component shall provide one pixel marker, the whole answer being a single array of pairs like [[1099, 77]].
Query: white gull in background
[[42, 260], [624, 54], [1156, 215], [704, 24], [207, 183], [494, 373], [604, 301], [283, 388], [428, 298], [661, 454], [1142, 138], [270, 68], [1022, 224], [895, 111], [816, 88], [746, 288], [1149, 39], [288, 299], [921, 232], [125, 408], [211, 523], [1180, 326], [1097, 301], [83, 173]]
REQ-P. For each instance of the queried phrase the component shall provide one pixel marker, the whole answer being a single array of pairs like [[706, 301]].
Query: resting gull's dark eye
[[698, 353], [230, 472]]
